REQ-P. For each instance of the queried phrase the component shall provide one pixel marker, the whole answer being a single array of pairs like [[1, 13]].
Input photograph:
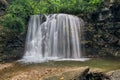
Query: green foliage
[[17, 15], [18, 11], [17, 7], [20, 8], [68, 6], [14, 23]]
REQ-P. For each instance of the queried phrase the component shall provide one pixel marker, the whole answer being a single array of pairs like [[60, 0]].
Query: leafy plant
[[19, 11], [14, 23]]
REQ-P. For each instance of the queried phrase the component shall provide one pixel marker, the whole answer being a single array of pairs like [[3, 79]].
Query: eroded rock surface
[[16, 71], [70, 74], [5, 66], [114, 75]]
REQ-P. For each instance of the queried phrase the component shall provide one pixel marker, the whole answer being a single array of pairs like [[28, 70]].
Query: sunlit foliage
[[18, 11]]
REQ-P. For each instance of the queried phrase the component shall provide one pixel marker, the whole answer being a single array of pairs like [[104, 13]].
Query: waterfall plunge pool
[[31, 59]]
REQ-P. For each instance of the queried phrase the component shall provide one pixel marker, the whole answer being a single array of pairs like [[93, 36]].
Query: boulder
[[114, 75]]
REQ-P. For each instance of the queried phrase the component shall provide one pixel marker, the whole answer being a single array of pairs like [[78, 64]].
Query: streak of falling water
[[53, 37]]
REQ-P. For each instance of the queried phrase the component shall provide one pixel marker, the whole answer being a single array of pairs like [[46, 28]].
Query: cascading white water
[[53, 37]]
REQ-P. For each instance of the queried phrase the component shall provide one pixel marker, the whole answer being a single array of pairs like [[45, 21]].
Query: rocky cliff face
[[11, 46], [102, 31]]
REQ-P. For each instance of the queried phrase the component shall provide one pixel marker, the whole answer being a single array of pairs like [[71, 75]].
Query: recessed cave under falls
[[53, 37]]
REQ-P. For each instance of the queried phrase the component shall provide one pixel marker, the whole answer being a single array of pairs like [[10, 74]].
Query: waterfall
[[53, 37]]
